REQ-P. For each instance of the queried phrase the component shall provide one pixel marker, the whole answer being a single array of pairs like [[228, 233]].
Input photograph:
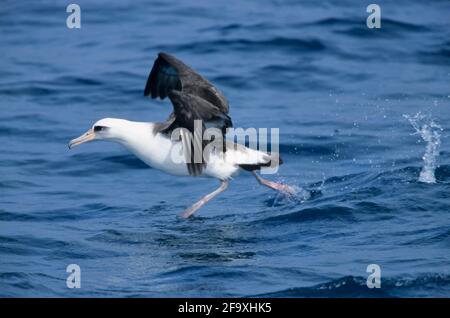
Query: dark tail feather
[[253, 167]]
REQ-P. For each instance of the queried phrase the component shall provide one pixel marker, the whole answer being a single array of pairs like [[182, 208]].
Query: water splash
[[429, 131], [300, 195]]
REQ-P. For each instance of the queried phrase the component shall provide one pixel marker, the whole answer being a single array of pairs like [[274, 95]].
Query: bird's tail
[[273, 161], [250, 159]]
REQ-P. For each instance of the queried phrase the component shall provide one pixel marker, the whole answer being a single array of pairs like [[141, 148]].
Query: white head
[[110, 129]]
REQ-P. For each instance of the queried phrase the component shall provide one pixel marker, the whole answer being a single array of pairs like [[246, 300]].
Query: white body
[[161, 153]]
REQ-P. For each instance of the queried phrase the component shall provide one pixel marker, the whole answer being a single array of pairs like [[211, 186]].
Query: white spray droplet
[[429, 131]]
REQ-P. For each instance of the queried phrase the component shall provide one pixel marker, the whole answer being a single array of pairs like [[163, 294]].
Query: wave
[[33, 245], [391, 29], [438, 54], [323, 213], [295, 45], [83, 212], [18, 284], [233, 27], [425, 285], [386, 23], [356, 197]]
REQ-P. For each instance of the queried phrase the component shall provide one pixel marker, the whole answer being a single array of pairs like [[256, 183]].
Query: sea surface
[[364, 118]]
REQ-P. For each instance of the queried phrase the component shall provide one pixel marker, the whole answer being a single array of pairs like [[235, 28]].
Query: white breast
[[157, 151]]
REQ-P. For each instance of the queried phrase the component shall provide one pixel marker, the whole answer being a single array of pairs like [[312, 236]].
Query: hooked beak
[[88, 136]]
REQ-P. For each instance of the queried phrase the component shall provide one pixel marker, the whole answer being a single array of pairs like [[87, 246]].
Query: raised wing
[[168, 73], [193, 98]]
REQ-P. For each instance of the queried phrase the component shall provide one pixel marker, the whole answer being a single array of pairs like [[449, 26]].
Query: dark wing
[[193, 98], [169, 73], [187, 109]]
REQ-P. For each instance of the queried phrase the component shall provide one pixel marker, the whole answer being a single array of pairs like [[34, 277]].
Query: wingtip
[[163, 55], [171, 59], [147, 89]]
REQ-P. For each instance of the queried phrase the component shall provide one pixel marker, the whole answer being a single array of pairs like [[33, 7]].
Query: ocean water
[[363, 116]]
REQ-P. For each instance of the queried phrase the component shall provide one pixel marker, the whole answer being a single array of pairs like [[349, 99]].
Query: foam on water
[[429, 131]]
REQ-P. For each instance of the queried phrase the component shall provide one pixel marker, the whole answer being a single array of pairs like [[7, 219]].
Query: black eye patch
[[100, 128]]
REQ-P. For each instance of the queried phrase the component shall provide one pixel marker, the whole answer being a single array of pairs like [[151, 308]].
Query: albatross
[[197, 106]]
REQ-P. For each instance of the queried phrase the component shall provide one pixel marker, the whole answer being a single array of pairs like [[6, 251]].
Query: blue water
[[336, 89]]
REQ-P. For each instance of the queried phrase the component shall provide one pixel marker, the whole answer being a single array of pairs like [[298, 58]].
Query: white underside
[[159, 152]]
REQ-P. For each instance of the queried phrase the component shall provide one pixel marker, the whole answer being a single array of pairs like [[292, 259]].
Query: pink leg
[[274, 185], [187, 213]]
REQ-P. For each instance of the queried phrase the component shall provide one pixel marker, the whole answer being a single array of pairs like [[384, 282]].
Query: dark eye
[[100, 128]]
